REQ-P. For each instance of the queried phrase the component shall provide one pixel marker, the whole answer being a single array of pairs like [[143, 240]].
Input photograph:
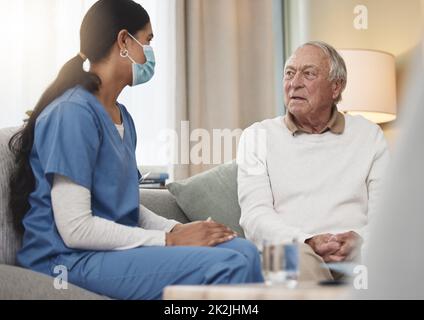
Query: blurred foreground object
[[395, 256]]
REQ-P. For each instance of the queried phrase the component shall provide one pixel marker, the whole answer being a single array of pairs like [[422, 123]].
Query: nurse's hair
[[98, 33]]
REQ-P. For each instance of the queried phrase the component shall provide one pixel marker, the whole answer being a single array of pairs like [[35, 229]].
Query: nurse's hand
[[199, 233]]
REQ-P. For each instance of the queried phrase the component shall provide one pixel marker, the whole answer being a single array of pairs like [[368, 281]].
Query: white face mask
[[142, 72]]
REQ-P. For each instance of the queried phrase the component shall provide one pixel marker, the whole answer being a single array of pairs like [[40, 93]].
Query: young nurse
[[75, 187]]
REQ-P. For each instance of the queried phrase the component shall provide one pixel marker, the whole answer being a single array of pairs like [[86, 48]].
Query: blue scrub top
[[75, 137]]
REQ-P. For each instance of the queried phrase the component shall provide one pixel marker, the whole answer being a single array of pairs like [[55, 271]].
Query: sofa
[[211, 194]]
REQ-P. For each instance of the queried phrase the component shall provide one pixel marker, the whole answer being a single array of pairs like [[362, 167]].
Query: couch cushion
[[162, 203], [210, 194], [10, 239], [17, 283]]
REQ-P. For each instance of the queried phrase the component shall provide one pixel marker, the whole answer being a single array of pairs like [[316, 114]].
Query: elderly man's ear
[[337, 87]]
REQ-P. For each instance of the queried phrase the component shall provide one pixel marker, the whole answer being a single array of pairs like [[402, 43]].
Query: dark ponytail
[[99, 30]]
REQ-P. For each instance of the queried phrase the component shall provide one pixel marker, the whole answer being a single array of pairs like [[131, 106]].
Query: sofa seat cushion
[[22, 284], [162, 203]]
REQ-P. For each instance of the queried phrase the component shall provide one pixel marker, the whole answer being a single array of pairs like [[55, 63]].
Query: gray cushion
[[210, 194], [10, 239], [161, 202], [17, 283]]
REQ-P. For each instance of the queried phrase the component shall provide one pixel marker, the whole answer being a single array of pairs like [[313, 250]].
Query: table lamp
[[371, 85]]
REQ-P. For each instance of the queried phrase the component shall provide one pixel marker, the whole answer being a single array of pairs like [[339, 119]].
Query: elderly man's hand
[[350, 247], [336, 248], [324, 245]]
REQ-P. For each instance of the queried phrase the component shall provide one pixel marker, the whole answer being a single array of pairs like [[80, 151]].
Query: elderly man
[[313, 175]]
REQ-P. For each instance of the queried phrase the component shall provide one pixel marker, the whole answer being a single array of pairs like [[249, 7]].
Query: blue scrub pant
[[142, 273]]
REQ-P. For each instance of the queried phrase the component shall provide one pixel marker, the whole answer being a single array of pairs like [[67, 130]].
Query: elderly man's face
[[307, 89]]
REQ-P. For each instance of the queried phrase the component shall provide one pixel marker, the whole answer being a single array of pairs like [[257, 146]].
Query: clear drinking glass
[[280, 262]]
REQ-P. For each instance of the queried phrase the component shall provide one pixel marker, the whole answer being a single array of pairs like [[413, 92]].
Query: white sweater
[[297, 186]]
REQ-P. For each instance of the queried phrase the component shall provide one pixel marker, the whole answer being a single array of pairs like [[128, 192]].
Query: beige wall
[[393, 26]]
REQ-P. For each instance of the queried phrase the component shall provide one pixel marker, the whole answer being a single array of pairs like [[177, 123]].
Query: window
[[40, 36]]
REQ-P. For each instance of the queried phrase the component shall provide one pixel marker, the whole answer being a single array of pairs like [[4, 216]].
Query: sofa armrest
[[163, 203]]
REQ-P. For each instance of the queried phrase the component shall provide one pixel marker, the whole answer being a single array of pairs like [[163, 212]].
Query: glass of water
[[280, 262]]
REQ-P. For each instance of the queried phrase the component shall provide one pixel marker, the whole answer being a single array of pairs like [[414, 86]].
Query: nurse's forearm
[[151, 221], [79, 229]]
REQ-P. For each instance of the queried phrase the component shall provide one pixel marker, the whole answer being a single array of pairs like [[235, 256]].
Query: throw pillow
[[210, 194]]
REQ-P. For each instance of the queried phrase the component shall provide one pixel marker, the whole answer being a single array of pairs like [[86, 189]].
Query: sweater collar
[[336, 124]]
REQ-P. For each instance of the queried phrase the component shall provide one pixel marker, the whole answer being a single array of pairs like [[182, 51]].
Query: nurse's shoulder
[[75, 106]]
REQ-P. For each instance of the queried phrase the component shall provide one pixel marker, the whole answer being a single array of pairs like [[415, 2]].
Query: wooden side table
[[303, 291]]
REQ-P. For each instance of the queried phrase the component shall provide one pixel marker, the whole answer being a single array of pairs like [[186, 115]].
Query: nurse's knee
[[228, 267], [245, 247]]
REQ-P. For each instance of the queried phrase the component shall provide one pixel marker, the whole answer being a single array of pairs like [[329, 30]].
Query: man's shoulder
[[358, 122], [364, 130], [267, 124]]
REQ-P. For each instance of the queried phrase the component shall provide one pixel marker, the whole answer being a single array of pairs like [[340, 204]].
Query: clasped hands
[[336, 247]]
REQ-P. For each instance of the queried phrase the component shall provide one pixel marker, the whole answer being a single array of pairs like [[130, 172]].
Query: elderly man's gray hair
[[337, 65]]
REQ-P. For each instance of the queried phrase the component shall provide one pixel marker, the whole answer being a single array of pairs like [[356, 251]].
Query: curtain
[[229, 71], [38, 38]]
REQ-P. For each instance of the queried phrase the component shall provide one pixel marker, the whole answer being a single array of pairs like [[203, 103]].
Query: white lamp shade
[[371, 85]]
